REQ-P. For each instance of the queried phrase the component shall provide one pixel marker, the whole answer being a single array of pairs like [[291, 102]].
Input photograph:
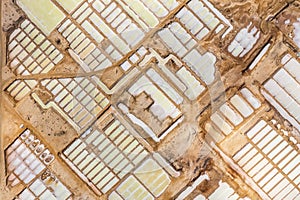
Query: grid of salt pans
[[234, 112], [134, 59], [26, 158], [78, 97], [105, 155], [46, 187], [244, 41], [271, 162], [194, 87], [30, 51], [147, 182], [102, 22], [198, 19], [148, 12], [224, 191], [283, 90], [178, 39], [20, 88]]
